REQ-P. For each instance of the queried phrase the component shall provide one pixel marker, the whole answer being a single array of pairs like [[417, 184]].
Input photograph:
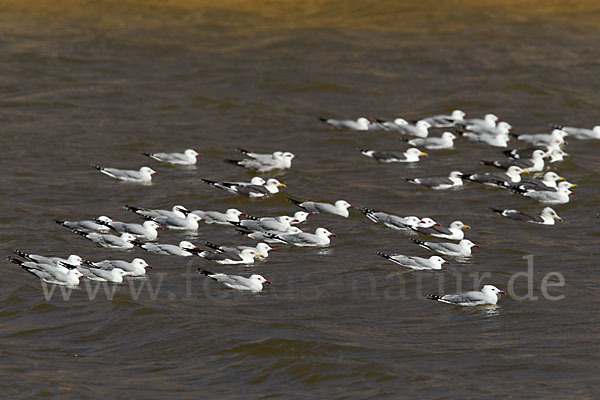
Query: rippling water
[[102, 81]]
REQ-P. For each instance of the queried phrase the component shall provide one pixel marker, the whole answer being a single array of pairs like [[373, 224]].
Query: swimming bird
[[558, 196], [216, 217], [188, 157], [73, 259], [114, 275], [144, 175], [409, 156], [260, 248], [146, 231], [420, 129], [580, 133], [444, 121], [500, 179], [547, 217], [176, 211], [254, 283], [70, 278], [453, 180], [297, 218], [109, 241], [462, 249], [361, 124], [87, 225], [271, 186], [488, 121], [340, 207], [455, 231], [533, 164], [486, 138], [543, 139], [488, 295], [188, 223], [548, 182], [246, 256], [390, 220], [265, 162], [446, 141], [320, 238], [135, 267], [282, 223], [184, 249], [413, 262]]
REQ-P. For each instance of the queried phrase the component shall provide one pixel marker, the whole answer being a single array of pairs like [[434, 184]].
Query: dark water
[[100, 82]]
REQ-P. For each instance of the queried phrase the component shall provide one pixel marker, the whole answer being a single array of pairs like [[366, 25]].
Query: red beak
[[475, 245], [243, 213], [198, 155], [436, 224], [502, 292], [351, 206], [149, 267], [332, 234], [269, 282], [155, 173], [446, 262], [160, 227]]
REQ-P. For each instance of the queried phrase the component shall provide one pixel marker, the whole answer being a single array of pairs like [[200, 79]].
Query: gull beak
[[160, 227], [566, 154], [128, 275], [446, 262], [332, 234], [282, 185], [475, 245], [466, 227], [148, 267], [198, 155], [423, 154], [573, 185], [351, 206], [155, 173], [267, 281], [243, 213], [260, 255], [501, 292], [437, 224], [558, 218], [524, 172], [560, 179]]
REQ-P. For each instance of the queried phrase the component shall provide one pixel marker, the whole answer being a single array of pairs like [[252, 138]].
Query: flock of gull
[[524, 171]]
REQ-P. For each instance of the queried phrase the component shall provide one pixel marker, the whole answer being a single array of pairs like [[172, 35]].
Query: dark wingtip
[[15, 260], [403, 139], [556, 126], [294, 201], [365, 210], [321, 119], [80, 232], [419, 242], [434, 296], [208, 181], [383, 255], [234, 162], [99, 168], [58, 221], [497, 210], [243, 151], [205, 272]]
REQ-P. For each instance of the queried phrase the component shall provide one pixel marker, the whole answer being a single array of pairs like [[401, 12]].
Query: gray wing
[[520, 216], [220, 256], [473, 298], [433, 181], [531, 184]]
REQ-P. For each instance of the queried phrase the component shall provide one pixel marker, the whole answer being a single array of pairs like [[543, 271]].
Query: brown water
[[102, 81]]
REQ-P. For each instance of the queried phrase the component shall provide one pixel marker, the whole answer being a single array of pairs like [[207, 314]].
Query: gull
[[254, 283], [188, 157], [144, 175], [361, 124], [137, 266], [502, 128], [528, 151], [70, 278], [340, 207], [547, 217], [488, 295], [245, 256], [87, 225], [413, 262], [389, 220], [303, 239], [501, 179], [282, 223], [188, 223], [558, 196], [184, 249], [533, 164], [114, 275], [268, 236], [216, 217], [557, 155], [409, 156], [446, 141], [486, 138], [425, 226], [440, 183], [176, 211], [581, 133], [260, 248], [455, 231], [265, 162], [271, 186], [387, 125], [420, 129], [462, 249], [488, 121], [444, 121], [73, 259], [297, 218], [543, 139], [547, 182], [109, 241], [145, 231]]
